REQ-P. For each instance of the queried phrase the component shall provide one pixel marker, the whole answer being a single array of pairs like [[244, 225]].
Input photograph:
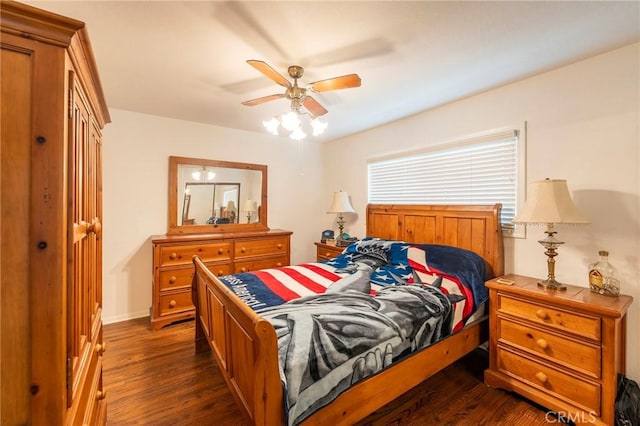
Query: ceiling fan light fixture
[[298, 134], [272, 125], [318, 126], [290, 121], [203, 175]]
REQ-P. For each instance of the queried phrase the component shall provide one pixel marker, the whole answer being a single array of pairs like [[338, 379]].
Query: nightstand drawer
[[581, 356], [573, 322], [580, 393]]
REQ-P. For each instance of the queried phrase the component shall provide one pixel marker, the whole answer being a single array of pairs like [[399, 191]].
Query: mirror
[[216, 196]]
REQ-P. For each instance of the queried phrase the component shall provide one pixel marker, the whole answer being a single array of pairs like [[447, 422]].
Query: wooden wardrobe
[[52, 113]]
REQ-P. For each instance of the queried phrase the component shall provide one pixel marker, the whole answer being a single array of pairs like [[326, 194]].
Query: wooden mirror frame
[[174, 219]]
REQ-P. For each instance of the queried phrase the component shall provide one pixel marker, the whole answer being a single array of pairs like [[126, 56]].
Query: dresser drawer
[[171, 303], [254, 265], [573, 322], [182, 254], [577, 392], [260, 247], [181, 278], [579, 355]]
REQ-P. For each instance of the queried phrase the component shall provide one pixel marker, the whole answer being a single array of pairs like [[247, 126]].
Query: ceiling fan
[[299, 96]]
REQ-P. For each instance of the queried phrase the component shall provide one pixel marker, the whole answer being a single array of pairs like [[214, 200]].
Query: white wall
[[583, 122], [136, 167]]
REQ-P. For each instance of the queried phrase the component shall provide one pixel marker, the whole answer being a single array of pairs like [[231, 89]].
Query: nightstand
[[327, 251], [562, 350]]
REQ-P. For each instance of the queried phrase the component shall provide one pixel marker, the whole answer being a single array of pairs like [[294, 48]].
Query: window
[[476, 170]]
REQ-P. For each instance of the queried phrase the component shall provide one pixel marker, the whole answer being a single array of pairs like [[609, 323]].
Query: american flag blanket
[[352, 316]]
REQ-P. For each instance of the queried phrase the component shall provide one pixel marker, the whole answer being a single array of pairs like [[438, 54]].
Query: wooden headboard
[[475, 228]]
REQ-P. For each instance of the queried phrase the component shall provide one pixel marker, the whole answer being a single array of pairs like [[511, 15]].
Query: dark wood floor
[[155, 378]]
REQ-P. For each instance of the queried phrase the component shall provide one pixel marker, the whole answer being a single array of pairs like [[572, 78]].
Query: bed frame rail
[[244, 346]]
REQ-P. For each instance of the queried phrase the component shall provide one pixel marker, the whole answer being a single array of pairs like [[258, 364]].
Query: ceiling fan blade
[[314, 106], [262, 100], [265, 69], [342, 82]]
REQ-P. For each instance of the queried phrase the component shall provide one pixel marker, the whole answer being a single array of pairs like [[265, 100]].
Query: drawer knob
[[220, 273], [327, 254], [101, 394], [101, 347], [279, 246], [542, 378], [243, 269], [279, 264], [242, 250], [542, 314], [172, 279], [542, 343], [220, 251], [172, 304], [172, 256]]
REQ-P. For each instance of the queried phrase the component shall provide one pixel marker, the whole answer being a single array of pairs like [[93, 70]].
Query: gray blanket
[[329, 341]]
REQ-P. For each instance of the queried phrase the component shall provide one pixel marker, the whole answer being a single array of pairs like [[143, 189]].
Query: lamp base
[[551, 284]]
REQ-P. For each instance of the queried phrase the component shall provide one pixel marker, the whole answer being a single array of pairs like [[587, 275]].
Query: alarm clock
[[326, 235]]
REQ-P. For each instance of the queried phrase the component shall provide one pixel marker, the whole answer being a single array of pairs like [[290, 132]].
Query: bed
[[244, 339]]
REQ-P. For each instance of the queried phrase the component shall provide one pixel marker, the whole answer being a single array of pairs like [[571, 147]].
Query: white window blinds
[[479, 170]]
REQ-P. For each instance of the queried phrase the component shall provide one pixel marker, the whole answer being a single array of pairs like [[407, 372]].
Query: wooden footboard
[[244, 345]]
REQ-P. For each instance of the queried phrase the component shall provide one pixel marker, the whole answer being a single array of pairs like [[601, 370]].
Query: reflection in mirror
[[205, 193], [213, 203]]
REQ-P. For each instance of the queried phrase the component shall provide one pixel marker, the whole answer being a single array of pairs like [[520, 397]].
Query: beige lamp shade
[[549, 202], [340, 203], [249, 206]]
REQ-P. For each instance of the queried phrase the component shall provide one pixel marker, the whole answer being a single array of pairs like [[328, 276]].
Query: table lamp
[[549, 203], [340, 205]]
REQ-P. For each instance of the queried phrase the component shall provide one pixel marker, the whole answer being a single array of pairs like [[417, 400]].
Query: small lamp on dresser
[[549, 203], [249, 207], [340, 205]]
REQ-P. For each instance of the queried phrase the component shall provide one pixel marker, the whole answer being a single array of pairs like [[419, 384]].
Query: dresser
[[327, 251], [562, 350], [53, 111], [223, 254]]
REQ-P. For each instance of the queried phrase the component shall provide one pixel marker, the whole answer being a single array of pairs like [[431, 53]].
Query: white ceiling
[[186, 59]]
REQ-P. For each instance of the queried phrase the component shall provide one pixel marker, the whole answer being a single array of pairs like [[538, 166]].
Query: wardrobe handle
[[94, 227], [101, 347]]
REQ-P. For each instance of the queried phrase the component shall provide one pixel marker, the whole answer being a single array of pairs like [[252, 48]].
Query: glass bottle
[[602, 276]]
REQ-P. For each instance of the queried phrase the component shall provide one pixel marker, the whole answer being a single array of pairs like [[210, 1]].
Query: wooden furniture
[[327, 251], [249, 179], [562, 350], [223, 254], [52, 113], [245, 345]]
